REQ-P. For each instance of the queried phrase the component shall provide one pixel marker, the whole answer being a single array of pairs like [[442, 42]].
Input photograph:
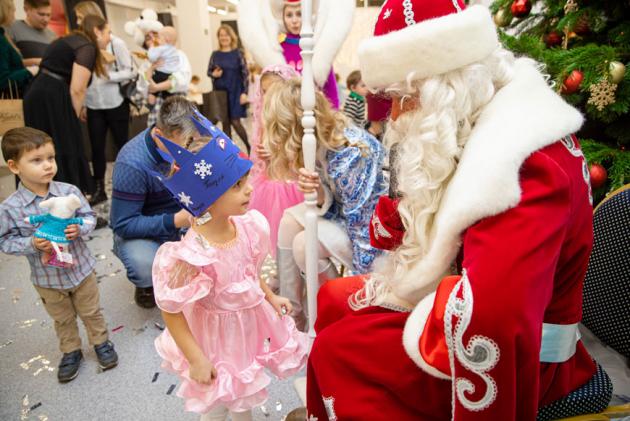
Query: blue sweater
[[141, 206]]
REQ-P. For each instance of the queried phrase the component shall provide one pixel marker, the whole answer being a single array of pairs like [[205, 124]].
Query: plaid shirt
[[16, 236]]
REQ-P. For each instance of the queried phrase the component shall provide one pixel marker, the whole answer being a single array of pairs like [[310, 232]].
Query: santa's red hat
[[426, 38]]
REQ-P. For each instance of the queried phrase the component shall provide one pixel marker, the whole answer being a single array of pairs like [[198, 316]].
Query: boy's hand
[[72, 232], [282, 305], [42, 245]]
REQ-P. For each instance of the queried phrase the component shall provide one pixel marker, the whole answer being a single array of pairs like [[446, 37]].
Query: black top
[[64, 52]]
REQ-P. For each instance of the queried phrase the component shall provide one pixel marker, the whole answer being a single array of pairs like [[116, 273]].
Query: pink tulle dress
[[218, 291], [270, 197]]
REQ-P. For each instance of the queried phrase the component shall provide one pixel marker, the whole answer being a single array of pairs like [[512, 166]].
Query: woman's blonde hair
[[283, 131], [231, 33], [429, 142], [88, 8], [6, 6]]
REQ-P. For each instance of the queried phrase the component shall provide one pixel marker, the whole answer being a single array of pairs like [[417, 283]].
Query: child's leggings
[[219, 414]]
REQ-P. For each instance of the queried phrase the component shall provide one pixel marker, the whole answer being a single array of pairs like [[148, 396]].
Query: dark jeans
[[137, 256], [98, 121]]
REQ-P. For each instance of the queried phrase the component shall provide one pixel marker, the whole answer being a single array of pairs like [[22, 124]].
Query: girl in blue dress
[[228, 71], [348, 179]]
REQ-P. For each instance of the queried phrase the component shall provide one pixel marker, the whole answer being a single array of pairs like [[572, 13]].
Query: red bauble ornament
[[553, 39], [598, 175], [572, 82], [521, 8]]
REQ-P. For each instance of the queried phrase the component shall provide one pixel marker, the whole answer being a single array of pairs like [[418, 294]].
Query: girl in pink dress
[[270, 197], [224, 326]]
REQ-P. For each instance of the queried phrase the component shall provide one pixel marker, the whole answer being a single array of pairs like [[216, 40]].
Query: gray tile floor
[[29, 356]]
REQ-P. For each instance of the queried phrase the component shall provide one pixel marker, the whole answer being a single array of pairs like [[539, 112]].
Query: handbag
[[127, 89], [11, 111]]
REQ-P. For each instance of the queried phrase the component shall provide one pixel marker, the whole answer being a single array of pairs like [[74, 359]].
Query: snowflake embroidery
[[379, 229], [312, 418], [203, 169], [184, 199], [387, 14]]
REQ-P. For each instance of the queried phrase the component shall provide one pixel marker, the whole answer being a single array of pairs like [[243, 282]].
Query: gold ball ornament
[[501, 19], [617, 71]]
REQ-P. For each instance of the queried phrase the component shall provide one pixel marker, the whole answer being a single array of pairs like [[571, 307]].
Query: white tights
[[291, 235], [219, 414]]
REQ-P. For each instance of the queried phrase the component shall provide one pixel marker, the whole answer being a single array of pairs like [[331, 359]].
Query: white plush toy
[[54, 223], [147, 22]]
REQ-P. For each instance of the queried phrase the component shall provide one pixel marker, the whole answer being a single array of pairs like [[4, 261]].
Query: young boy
[[167, 53], [65, 292], [354, 107]]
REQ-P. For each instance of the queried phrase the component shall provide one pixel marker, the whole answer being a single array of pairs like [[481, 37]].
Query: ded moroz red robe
[[519, 211]]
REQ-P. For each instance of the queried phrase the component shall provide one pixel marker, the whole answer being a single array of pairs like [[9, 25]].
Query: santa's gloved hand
[[386, 227]]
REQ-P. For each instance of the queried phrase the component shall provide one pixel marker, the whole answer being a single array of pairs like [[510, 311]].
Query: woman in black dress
[[53, 102]]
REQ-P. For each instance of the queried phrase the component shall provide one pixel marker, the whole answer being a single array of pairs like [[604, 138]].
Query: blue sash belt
[[558, 342]]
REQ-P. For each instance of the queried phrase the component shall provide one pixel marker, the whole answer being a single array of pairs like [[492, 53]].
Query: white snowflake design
[[387, 14], [184, 199], [203, 169]]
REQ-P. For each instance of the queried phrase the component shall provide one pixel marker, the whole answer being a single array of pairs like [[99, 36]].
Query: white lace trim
[[329, 403], [572, 147], [479, 356], [379, 229], [408, 12]]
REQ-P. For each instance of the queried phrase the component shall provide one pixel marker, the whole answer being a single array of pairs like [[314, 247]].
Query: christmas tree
[[585, 47]]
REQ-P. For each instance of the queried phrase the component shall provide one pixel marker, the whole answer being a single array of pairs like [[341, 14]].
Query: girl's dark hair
[[90, 22]]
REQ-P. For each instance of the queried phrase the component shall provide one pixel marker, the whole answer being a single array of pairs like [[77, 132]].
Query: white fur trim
[[428, 48], [333, 23], [523, 117], [259, 32], [414, 326]]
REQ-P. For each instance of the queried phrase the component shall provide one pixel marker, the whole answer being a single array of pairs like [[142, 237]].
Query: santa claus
[[492, 189]]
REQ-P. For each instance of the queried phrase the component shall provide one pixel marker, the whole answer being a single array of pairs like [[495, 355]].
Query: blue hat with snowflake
[[202, 177]]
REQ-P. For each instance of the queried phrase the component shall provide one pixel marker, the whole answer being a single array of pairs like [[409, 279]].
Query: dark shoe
[[99, 195], [106, 355], [101, 222], [144, 297], [69, 366]]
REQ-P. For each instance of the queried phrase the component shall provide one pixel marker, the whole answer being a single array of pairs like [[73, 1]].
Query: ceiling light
[[234, 2], [212, 9], [222, 12]]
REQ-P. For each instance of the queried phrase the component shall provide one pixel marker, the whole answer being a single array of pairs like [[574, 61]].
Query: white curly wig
[[429, 142]]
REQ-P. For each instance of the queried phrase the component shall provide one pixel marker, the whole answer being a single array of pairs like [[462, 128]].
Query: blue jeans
[[137, 255]]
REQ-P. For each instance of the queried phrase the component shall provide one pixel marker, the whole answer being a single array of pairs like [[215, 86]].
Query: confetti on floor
[[170, 389]]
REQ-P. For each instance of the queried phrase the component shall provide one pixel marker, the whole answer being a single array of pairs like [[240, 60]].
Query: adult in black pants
[[54, 100], [105, 108]]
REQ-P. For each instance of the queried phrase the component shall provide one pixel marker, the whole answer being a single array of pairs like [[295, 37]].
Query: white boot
[[241, 416], [291, 284], [216, 414]]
